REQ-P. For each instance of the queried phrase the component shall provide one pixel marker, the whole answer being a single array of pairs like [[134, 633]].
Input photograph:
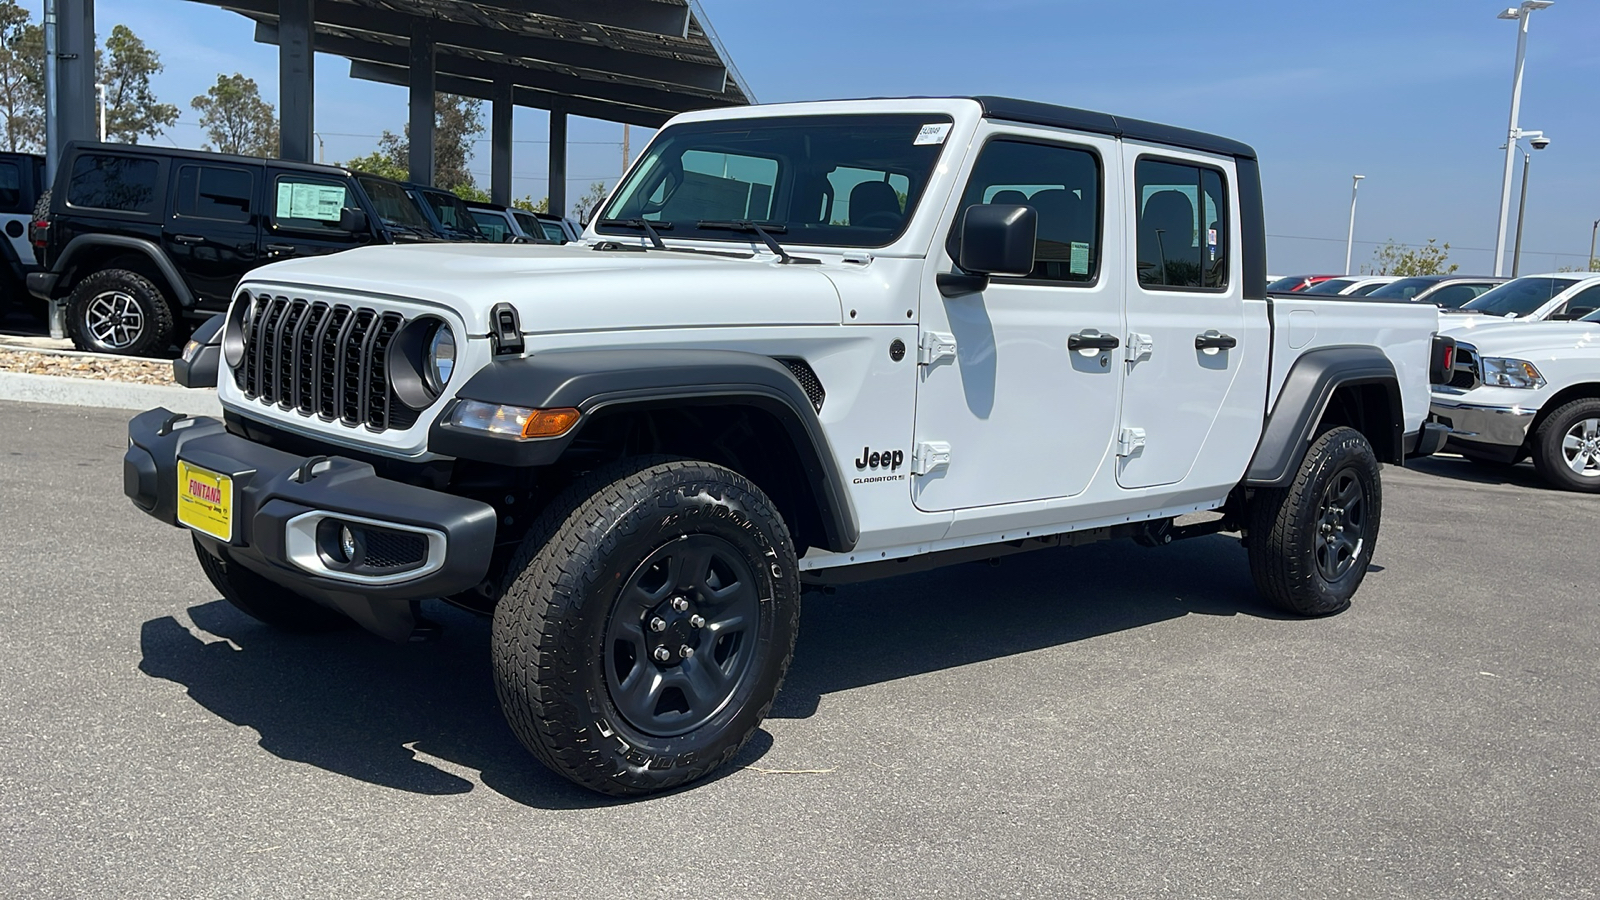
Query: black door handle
[[1215, 340], [1090, 339], [279, 248], [189, 238]]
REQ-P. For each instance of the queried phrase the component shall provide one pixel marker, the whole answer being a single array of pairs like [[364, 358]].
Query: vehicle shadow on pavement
[[1460, 468], [881, 631], [407, 717], [404, 717]]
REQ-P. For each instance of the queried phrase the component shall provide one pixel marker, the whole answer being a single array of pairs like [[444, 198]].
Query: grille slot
[[386, 549], [809, 382], [1466, 374], [328, 360]]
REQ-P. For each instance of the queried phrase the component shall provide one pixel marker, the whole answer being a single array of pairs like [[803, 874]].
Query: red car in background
[[1294, 283]]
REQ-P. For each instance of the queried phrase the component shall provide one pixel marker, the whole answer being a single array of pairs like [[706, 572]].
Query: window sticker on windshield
[[309, 201], [1078, 264], [932, 134]]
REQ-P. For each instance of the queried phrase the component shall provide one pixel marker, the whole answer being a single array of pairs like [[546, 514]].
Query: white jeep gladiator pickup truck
[[800, 345]]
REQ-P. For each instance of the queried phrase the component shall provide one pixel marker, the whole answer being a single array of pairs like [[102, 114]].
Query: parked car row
[[140, 244], [1444, 291]]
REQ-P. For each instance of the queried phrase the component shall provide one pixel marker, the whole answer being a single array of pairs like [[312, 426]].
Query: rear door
[[303, 215], [213, 231], [1186, 340]]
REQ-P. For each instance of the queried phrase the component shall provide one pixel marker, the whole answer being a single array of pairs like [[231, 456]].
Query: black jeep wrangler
[[143, 243]]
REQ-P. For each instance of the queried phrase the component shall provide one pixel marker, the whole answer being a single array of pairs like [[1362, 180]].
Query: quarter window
[[1062, 185], [1183, 226], [123, 183], [210, 192]]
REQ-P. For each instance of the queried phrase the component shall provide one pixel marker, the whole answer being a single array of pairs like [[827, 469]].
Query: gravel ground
[[86, 365], [1104, 721]]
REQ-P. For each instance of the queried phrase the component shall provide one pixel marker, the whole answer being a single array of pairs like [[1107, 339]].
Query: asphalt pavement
[[1105, 721]]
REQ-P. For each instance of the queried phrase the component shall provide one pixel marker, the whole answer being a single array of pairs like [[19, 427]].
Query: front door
[[1186, 338], [1011, 414], [304, 217], [212, 233]]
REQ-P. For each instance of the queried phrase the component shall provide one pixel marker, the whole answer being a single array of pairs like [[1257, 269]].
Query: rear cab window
[[1182, 226], [106, 181]]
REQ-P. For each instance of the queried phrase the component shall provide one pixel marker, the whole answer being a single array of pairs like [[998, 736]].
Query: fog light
[[347, 543]]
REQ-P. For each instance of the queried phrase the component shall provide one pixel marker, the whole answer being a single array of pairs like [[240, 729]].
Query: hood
[[571, 287], [1511, 338]]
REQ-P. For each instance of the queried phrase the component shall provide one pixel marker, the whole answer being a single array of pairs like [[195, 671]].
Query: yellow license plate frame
[[205, 500]]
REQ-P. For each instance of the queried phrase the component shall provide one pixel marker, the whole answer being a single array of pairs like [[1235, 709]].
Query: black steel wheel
[[1310, 544], [646, 625]]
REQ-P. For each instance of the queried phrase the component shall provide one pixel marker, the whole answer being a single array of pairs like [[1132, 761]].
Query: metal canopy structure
[[637, 62]]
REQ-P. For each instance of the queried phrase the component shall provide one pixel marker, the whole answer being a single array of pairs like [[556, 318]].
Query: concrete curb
[[55, 389]]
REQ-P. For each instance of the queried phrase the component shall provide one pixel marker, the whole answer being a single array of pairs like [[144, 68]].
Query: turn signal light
[[550, 423]]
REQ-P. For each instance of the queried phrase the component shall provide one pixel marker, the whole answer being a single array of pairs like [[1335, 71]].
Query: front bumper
[[1483, 429], [278, 495]]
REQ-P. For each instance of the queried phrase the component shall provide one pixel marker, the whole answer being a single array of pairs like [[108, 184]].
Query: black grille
[[322, 359], [809, 382], [387, 549], [1465, 375]]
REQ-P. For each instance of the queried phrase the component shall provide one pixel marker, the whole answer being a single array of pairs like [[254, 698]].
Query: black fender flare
[[1310, 385], [180, 290], [596, 380]]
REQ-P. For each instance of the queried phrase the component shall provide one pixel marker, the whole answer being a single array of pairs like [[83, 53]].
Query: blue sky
[[1414, 94]]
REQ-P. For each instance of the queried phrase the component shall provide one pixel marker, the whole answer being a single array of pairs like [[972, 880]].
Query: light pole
[[1520, 14], [1592, 232], [1350, 241], [1539, 142]]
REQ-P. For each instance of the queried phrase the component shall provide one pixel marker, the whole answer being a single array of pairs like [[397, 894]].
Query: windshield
[[1520, 296], [1331, 286], [1286, 285], [451, 210], [392, 202], [552, 230], [836, 181], [1366, 289], [1404, 289]]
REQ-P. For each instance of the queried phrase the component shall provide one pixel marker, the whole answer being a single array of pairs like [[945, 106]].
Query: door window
[[213, 192], [308, 204], [1584, 303], [10, 187], [122, 183], [1182, 225], [1061, 184]]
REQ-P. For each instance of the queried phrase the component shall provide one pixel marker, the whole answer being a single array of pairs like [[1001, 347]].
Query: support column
[[296, 79], [75, 96], [422, 105], [558, 161], [500, 144]]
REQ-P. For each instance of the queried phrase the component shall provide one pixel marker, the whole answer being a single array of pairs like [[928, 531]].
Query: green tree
[[1401, 259], [124, 66], [21, 80], [1594, 266], [471, 192], [457, 123], [528, 203], [236, 119], [589, 202]]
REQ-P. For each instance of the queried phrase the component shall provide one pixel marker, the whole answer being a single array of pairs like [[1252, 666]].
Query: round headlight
[[441, 356]]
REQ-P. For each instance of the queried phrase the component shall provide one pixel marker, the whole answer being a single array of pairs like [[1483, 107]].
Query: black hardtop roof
[[209, 156], [1034, 113]]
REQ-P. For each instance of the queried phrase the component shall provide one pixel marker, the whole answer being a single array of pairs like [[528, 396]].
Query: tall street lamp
[[1350, 241], [1592, 232], [1521, 14], [1539, 142]]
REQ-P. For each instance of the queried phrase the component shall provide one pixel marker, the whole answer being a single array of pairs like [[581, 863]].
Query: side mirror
[[995, 239], [352, 219]]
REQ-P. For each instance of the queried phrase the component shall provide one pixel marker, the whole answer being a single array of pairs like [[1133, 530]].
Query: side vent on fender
[[808, 380]]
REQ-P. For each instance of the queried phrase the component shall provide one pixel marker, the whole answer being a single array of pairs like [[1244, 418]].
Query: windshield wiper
[[762, 231], [648, 227]]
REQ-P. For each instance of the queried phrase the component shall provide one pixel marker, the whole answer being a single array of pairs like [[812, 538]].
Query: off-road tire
[[1548, 454], [551, 626], [1284, 528], [157, 329], [264, 601]]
